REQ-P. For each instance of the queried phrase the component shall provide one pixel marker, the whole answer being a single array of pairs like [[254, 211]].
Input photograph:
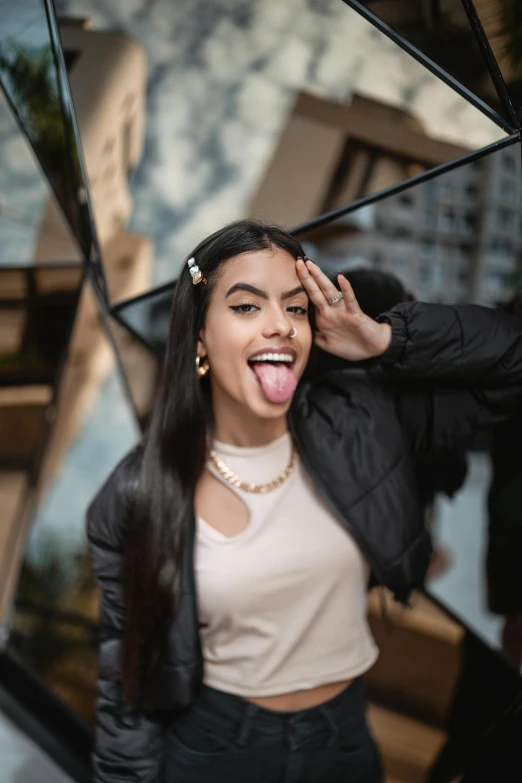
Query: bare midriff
[[301, 700]]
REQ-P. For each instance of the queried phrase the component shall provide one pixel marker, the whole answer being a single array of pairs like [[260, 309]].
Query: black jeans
[[225, 739]]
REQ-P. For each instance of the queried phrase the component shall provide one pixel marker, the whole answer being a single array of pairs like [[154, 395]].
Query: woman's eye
[[298, 310], [245, 309]]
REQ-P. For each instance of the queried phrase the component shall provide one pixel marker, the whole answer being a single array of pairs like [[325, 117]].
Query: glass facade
[[387, 135]]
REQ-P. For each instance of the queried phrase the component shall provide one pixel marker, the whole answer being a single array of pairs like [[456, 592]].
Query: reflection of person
[[442, 471], [234, 545], [504, 555], [376, 291]]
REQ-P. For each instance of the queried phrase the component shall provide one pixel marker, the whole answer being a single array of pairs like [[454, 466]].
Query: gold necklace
[[249, 486]]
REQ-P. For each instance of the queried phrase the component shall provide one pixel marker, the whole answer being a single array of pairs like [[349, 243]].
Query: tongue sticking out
[[278, 381]]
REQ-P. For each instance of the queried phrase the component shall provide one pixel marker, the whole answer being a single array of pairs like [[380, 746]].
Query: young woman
[[235, 545]]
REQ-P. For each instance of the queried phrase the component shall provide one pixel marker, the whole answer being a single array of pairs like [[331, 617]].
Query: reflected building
[[40, 300], [108, 74], [453, 239]]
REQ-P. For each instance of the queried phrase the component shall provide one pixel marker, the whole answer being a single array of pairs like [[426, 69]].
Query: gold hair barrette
[[195, 271]]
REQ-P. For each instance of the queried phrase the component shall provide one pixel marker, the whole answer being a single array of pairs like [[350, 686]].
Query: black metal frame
[[93, 255], [137, 336], [490, 60], [48, 179], [406, 184], [45, 718], [117, 309], [104, 317]]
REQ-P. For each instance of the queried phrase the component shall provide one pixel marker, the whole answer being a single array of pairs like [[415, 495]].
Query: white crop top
[[283, 602]]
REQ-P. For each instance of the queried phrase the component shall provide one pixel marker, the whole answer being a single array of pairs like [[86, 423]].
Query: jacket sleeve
[[129, 745], [454, 370], [504, 554]]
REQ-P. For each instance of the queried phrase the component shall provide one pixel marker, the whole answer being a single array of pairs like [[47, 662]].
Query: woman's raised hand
[[343, 329]]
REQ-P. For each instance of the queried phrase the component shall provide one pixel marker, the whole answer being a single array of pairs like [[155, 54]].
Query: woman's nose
[[277, 324]]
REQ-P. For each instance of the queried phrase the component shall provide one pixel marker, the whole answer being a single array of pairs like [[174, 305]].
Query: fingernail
[[299, 258]]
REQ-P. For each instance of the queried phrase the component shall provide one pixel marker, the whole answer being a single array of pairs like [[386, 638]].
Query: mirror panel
[[33, 228], [54, 623], [147, 317], [502, 21], [455, 238], [443, 33], [254, 92], [33, 84], [271, 108]]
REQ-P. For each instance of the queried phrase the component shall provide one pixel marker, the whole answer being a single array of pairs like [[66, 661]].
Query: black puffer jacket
[[450, 370], [504, 554]]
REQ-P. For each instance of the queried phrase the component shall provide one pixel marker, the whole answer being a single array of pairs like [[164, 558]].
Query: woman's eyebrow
[[289, 294], [262, 294], [246, 287]]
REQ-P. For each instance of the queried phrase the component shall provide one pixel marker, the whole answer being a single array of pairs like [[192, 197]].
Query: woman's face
[[254, 365]]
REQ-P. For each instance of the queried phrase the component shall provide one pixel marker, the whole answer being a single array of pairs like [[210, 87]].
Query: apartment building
[[457, 238]]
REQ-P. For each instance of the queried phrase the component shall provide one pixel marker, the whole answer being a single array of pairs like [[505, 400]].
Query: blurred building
[[457, 238]]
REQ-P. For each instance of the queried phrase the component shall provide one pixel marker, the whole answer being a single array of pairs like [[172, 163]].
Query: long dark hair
[[173, 458]]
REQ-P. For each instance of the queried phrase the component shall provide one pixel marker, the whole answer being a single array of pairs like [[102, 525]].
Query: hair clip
[[195, 271]]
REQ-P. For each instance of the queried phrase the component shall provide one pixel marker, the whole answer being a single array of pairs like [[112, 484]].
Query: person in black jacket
[[234, 544], [504, 553], [443, 471]]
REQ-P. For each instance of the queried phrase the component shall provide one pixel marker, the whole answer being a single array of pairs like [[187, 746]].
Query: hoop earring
[[202, 366]]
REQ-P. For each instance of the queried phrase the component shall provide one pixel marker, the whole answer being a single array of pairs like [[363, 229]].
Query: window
[[425, 274], [471, 190], [504, 218], [498, 278], [501, 247], [399, 261], [469, 223], [430, 219], [439, 275], [464, 275], [406, 200], [508, 161], [427, 248], [431, 189], [507, 188], [448, 220], [401, 232]]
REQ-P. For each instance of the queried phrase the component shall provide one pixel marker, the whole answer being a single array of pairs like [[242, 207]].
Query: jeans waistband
[[228, 710]]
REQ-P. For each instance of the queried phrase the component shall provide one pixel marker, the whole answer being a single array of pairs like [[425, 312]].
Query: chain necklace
[[249, 486]]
